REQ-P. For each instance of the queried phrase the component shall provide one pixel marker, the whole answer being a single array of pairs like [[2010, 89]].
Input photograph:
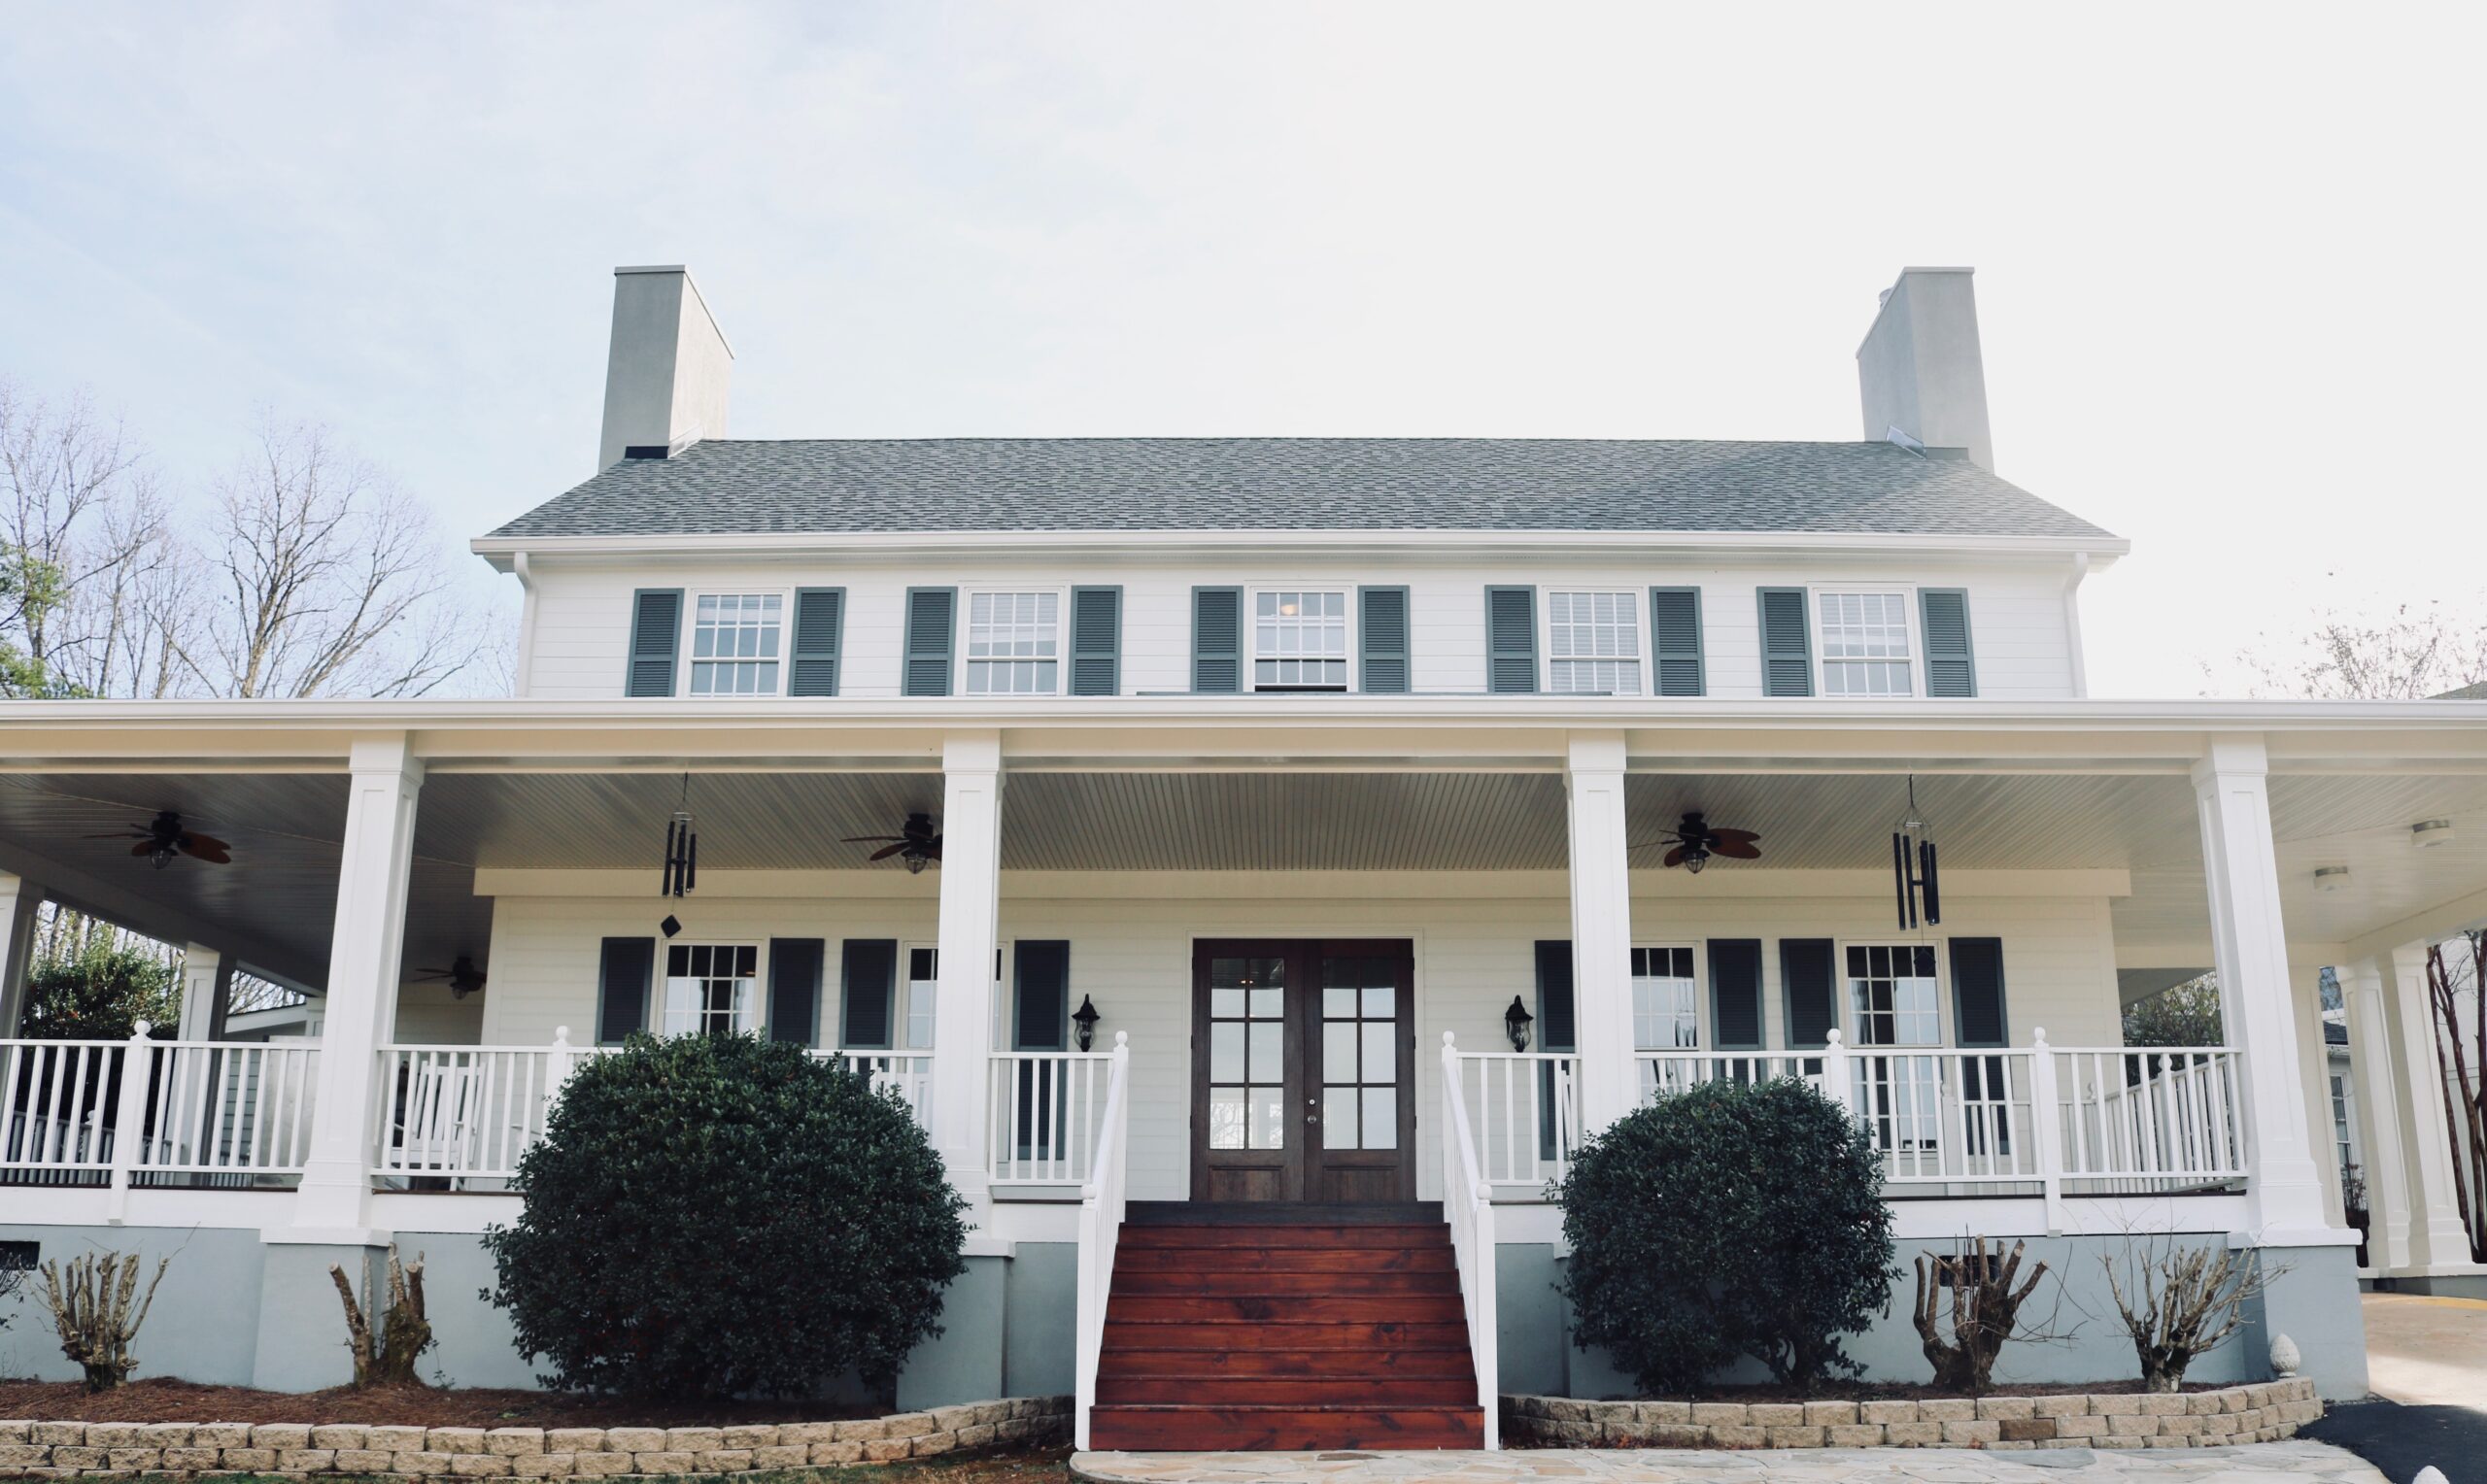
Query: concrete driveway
[[2426, 1352]]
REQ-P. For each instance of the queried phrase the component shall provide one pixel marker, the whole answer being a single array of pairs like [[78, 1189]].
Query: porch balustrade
[[142, 1111], [1468, 1205], [1044, 1109], [1523, 1108]]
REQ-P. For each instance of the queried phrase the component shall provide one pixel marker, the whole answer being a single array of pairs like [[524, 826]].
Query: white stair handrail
[[1100, 1224], [1468, 1203]]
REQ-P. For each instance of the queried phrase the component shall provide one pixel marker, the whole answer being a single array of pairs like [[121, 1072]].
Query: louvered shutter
[[820, 623], [1096, 641], [1786, 646], [1675, 639], [931, 625], [869, 976], [794, 989], [1511, 641], [1556, 1025], [1735, 992], [1383, 628], [656, 636], [1043, 1020], [1806, 977], [1950, 670], [1217, 640], [1976, 993], [624, 969]]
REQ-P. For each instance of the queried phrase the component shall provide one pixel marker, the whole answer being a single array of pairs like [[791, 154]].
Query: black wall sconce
[[1516, 1023], [1085, 1017]]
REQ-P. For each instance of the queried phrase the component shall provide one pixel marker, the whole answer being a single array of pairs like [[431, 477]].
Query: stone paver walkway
[[2285, 1463]]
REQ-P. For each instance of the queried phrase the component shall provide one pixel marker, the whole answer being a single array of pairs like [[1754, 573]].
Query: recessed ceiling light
[[2427, 834], [2330, 878]]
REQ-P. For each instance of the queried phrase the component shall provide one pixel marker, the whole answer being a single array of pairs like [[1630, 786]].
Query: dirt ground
[[164, 1400]]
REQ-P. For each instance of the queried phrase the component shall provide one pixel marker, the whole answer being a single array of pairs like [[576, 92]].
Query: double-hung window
[[2340, 1124], [1865, 647], [734, 639], [1014, 643], [1593, 644], [1666, 1014], [711, 989], [1894, 1000], [1299, 640]]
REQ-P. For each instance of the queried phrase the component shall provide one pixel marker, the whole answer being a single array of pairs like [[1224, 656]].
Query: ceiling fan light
[[1694, 861], [2330, 878], [2427, 834], [914, 864]]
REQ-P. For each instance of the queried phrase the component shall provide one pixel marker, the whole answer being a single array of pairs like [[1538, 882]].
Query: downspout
[[2071, 622], [526, 625]]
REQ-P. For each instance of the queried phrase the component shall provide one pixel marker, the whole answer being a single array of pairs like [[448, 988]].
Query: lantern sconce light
[[1516, 1023], [1086, 1019]]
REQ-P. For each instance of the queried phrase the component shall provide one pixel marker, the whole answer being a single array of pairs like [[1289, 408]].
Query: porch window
[[1013, 643], [1298, 641], [1665, 1000], [1865, 643], [1894, 996], [1593, 644], [711, 989], [2340, 1123], [922, 980], [733, 643]]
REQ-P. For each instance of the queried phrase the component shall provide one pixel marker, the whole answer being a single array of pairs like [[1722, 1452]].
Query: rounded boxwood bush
[[726, 1216], [1727, 1220]]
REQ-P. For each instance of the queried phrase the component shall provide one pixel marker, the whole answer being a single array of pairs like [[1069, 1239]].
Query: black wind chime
[[1913, 874], [681, 849]]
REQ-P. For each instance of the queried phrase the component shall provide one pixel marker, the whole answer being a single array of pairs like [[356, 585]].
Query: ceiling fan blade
[[886, 851], [1676, 856], [1736, 850], [211, 842], [212, 852], [1654, 844], [868, 839], [1741, 836], [131, 833], [142, 848]]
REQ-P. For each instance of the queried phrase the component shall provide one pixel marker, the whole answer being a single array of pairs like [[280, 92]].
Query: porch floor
[[2283, 1463]]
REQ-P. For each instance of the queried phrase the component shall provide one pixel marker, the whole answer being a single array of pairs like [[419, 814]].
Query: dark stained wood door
[[1301, 1060]]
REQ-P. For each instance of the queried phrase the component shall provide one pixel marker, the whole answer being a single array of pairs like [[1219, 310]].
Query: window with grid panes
[[1359, 1055], [1593, 644], [1013, 643], [1666, 1004], [711, 989], [1865, 643], [2340, 1122], [1894, 1000], [1248, 1053], [1298, 641], [733, 643]]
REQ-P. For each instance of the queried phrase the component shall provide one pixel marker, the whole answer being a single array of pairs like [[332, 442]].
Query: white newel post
[[2046, 1117], [1601, 928], [19, 900], [2437, 1242], [970, 931], [207, 978], [2249, 947], [363, 971], [129, 1123], [2363, 991]]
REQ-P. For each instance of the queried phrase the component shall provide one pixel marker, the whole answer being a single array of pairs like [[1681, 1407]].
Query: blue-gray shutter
[[1787, 645], [794, 989], [1096, 641], [1043, 1021], [625, 970], [820, 625], [1951, 669], [1808, 979], [1675, 640], [1556, 1027], [1381, 628], [1735, 992], [1976, 993], [1217, 640], [656, 636], [1511, 641], [931, 625], [868, 977]]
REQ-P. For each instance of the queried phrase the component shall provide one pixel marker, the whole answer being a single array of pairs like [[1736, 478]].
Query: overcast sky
[[2229, 256]]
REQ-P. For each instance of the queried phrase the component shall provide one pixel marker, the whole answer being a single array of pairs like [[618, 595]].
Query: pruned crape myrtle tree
[[386, 1356], [1968, 1310], [1723, 1221], [96, 1308], [726, 1216], [2179, 1304]]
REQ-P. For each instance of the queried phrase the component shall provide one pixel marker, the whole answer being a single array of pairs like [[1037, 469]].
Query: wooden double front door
[[1303, 1070]]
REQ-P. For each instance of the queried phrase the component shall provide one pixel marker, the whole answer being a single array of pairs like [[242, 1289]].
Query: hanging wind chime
[[681, 849], [1913, 874]]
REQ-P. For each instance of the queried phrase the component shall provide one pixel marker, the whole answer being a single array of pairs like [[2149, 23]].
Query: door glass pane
[[1337, 1051], [1381, 1118], [1268, 1001], [1338, 1118], [1338, 1002], [1247, 1053], [1269, 1060], [1225, 1051], [1378, 998], [1226, 1118], [1268, 1118], [1226, 1001], [1380, 1044]]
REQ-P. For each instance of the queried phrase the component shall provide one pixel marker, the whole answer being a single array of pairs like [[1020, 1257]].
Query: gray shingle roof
[[946, 484]]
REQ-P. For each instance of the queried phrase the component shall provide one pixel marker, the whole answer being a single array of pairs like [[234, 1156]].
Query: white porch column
[[2371, 1082], [1601, 928], [970, 931], [2284, 1192], [364, 973], [2437, 1242], [19, 900], [2313, 1066], [207, 979]]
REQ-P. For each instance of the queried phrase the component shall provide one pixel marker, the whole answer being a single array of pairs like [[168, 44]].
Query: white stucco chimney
[[1920, 369], [665, 383]]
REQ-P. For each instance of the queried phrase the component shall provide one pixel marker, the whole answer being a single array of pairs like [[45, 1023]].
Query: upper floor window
[[1298, 641], [1593, 644], [733, 643], [711, 989], [1895, 995], [1865, 643], [1013, 643]]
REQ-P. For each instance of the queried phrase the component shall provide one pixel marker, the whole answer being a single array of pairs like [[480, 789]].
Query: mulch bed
[[392, 1407], [1886, 1390]]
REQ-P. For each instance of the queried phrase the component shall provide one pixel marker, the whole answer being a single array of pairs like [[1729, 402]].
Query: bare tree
[[1966, 1311], [2181, 1302], [2455, 981], [2421, 651], [80, 510]]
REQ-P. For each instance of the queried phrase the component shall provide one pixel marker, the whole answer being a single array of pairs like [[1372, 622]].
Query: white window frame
[[1252, 656], [1634, 599], [754, 1020], [1911, 617], [1061, 638], [688, 639], [1700, 999], [1851, 1029], [902, 988]]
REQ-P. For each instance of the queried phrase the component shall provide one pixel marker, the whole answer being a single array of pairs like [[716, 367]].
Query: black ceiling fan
[[1695, 840], [918, 844], [164, 837], [461, 976]]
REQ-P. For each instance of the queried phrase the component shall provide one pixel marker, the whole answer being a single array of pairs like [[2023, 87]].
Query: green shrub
[[726, 1217], [1727, 1220]]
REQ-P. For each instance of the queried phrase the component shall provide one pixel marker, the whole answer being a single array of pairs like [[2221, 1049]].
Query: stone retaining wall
[[2238, 1414], [50, 1449]]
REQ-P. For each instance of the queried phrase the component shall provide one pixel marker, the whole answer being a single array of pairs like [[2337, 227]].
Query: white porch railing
[[2151, 1117], [1523, 1108], [907, 1073], [226, 1108], [1674, 1071], [1043, 1110], [1468, 1203], [62, 1104], [465, 1113], [1101, 1224]]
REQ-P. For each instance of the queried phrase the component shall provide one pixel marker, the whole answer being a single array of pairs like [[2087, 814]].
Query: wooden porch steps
[[1285, 1327]]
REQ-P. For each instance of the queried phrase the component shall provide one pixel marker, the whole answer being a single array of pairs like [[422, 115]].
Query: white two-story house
[[1265, 831]]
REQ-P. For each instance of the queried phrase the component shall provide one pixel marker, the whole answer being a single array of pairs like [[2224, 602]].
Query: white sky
[[2229, 266]]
